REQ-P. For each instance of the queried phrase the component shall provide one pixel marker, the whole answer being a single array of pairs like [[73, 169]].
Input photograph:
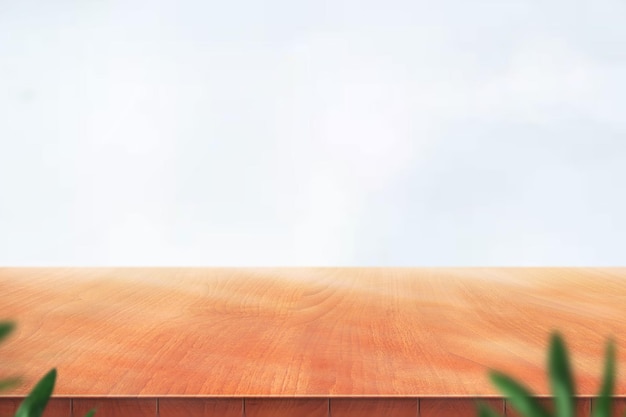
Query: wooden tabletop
[[319, 332]]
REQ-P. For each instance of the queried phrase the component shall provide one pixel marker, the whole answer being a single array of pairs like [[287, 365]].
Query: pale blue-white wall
[[312, 133]]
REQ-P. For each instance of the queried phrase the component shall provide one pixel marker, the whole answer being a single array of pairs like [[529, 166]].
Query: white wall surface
[[312, 133]]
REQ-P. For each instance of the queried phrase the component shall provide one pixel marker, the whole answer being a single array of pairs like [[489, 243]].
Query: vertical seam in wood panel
[[157, 407], [328, 409], [418, 407], [243, 406], [71, 407]]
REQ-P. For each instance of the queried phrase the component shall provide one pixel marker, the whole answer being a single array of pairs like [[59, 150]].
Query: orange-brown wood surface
[[166, 335]]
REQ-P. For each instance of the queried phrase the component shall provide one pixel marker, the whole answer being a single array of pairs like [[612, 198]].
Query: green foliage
[[5, 329], [562, 385], [35, 403]]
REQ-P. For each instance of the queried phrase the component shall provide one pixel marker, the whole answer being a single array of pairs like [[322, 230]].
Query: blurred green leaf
[[36, 402], [485, 411], [562, 383], [90, 413], [519, 395], [602, 407], [561, 377], [6, 327], [9, 383]]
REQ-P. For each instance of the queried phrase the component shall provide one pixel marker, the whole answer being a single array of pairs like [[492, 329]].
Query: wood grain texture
[[115, 407], [456, 407], [373, 407], [323, 332], [286, 407], [200, 407]]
